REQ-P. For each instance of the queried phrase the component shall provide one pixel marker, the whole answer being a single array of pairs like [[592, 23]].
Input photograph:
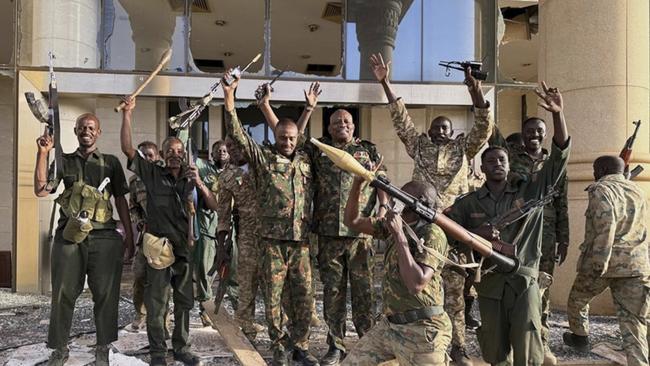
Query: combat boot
[[139, 321], [101, 355], [549, 357], [58, 357], [580, 343], [332, 357], [280, 357], [304, 358], [158, 361], [188, 358], [459, 356], [470, 322]]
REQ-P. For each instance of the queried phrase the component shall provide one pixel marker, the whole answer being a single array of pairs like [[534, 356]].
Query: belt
[[415, 315]]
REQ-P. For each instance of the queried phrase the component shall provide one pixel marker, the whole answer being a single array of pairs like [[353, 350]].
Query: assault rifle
[[626, 153], [345, 161], [474, 66], [221, 263]]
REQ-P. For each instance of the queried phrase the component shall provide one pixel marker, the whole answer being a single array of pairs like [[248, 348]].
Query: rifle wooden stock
[[164, 58]]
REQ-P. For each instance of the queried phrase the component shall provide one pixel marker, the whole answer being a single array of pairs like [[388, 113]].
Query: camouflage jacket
[[524, 166], [397, 298], [332, 186], [616, 229], [137, 200], [237, 191], [444, 165], [284, 185]]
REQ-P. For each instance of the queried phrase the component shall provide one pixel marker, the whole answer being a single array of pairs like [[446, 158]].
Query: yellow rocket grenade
[[344, 160]]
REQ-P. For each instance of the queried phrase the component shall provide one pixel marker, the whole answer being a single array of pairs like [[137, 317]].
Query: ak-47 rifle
[[260, 92], [345, 161], [626, 153], [513, 215], [222, 260], [474, 68]]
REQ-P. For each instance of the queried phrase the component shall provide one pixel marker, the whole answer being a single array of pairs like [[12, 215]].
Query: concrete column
[[597, 53], [69, 28], [377, 23]]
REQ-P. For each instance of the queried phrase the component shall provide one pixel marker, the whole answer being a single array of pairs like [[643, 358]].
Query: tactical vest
[[83, 197]]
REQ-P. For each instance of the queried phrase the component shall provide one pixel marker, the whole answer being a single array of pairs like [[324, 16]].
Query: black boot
[[580, 343], [470, 322], [332, 357], [304, 358]]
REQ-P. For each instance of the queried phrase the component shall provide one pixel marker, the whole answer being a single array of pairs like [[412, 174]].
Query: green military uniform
[[98, 257], [237, 193], [137, 209], [446, 167], [614, 254], [417, 342], [510, 303], [167, 217], [284, 188], [556, 216], [342, 252]]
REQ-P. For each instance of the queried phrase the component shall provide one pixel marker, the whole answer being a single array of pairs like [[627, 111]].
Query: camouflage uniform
[[137, 204], [284, 188], [556, 217], [446, 167], [510, 303], [343, 252], [421, 342], [237, 192], [614, 254]]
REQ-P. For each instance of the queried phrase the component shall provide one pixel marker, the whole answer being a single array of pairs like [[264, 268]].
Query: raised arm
[[351, 216], [401, 120], [266, 109], [45, 144], [206, 193], [126, 140], [551, 100], [311, 98], [483, 123]]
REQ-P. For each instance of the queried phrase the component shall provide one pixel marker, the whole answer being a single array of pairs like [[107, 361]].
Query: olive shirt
[[166, 197], [91, 175], [476, 208], [397, 298]]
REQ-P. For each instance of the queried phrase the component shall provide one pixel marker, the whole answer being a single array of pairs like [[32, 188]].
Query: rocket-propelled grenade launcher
[[346, 162]]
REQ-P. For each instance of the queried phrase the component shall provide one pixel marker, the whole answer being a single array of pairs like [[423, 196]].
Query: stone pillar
[[69, 28], [597, 53], [377, 23]]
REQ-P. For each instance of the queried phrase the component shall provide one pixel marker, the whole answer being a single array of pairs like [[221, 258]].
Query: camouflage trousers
[[457, 286], [632, 300], [341, 258], [547, 265], [249, 279], [287, 261], [418, 343]]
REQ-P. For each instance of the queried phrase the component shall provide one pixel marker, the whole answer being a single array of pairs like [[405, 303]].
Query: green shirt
[[396, 296], [91, 174], [476, 208], [166, 200]]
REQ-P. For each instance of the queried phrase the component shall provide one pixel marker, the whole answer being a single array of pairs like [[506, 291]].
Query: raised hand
[[265, 90], [379, 67], [311, 95], [551, 99], [473, 84], [229, 89], [129, 104], [45, 143]]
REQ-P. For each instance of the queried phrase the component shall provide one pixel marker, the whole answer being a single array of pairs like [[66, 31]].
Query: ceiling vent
[[198, 6], [320, 69], [333, 12]]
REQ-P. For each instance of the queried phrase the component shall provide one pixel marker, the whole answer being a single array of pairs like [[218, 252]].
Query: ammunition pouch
[[158, 251], [76, 230]]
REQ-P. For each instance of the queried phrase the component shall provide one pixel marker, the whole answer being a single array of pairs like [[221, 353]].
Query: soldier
[[614, 254], [86, 243], [510, 303], [342, 252], [283, 177], [415, 330], [444, 163], [237, 200], [168, 189], [525, 161]]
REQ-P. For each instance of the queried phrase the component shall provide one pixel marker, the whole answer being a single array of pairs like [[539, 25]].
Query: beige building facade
[[595, 51]]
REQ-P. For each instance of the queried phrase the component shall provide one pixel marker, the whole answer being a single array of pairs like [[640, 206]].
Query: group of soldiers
[[274, 195]]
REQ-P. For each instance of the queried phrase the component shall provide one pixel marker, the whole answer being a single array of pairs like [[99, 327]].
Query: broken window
[[306, 37], [518, 44], [514, 105], [226, 34], [137, 32]]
